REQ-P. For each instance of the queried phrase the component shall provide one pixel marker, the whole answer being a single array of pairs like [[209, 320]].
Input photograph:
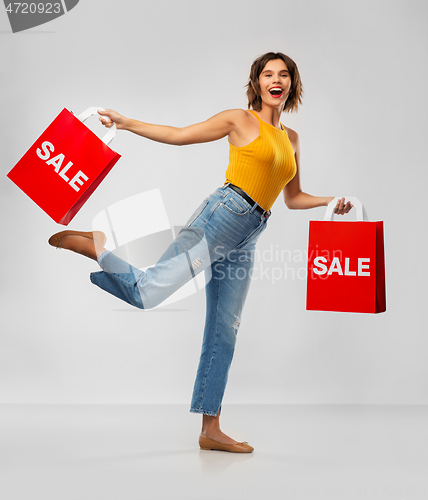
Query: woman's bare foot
[[211, 429], [88, 247]]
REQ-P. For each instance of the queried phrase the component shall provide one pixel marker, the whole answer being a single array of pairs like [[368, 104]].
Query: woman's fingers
[[108, 117], [339, 206], [342, 207], [105, 119], [348, 207], [107, 123]]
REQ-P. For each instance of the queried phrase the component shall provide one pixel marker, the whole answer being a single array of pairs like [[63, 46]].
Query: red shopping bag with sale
[[346, 264], [65, 165]]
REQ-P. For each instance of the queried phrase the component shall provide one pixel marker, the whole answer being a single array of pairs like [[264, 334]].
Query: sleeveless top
[[263, 167]]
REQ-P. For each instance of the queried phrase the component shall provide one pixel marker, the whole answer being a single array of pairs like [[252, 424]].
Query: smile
[[276, 92]]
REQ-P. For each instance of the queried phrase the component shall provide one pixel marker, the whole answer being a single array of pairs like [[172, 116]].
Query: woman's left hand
[[341, 207]]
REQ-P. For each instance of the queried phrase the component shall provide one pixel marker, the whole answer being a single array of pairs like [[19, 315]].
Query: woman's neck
[[270, 115]]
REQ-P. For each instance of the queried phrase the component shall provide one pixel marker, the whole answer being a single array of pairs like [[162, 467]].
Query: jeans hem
[[91, 275], [101, 257], [204, 412]]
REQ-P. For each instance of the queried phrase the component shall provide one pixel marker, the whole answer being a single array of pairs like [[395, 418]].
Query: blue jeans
[[220, 240]]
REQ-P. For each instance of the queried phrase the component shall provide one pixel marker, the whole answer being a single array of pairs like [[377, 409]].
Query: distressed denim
[[219, 239]]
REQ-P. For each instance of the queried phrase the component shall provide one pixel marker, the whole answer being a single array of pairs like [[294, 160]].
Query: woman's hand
[[109, 116], [341, 207]]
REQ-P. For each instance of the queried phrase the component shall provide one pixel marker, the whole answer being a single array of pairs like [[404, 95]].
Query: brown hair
[[253, 86]]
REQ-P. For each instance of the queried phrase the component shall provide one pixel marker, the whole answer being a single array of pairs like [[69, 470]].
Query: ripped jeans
[[220, 240]]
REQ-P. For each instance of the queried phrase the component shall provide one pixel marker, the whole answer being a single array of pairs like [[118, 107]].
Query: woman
[[220, 236]]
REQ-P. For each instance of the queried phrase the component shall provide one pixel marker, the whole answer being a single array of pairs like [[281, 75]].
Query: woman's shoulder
[[239, 117], [245, 127], [291, 133], [293, 137], [239, 113]]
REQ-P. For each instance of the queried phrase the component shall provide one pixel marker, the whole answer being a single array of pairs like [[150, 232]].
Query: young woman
[[220, 236]]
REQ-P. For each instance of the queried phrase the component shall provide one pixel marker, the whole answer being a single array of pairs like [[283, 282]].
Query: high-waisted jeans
[[220, 240]]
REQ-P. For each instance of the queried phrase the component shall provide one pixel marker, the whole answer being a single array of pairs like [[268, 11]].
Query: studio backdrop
[[362, 133]]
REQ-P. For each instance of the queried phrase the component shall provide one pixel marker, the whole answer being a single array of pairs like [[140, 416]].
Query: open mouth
[[276, 92]]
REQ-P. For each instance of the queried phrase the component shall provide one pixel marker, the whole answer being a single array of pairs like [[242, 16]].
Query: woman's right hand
[[109, 116]]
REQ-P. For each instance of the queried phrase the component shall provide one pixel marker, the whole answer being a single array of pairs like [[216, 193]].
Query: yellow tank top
[[263, 167]]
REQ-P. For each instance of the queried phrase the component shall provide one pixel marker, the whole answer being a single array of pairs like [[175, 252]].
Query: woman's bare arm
[[214, 128]]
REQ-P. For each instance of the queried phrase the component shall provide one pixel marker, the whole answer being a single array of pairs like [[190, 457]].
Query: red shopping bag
[[65, 165], [346, 264]]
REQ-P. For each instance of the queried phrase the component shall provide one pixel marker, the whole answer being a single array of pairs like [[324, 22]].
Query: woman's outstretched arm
[[214, 128], [296, 199]]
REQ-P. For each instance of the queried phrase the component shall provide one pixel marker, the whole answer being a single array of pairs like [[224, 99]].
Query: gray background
[[363, 132]]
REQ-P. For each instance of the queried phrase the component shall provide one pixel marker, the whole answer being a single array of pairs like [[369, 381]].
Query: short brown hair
[[253, 86]]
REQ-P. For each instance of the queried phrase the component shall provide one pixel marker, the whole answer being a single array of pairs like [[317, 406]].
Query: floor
[[83, 452]]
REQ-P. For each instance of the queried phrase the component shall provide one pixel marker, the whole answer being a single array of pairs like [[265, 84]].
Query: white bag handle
[[94, 111], [361, 211]]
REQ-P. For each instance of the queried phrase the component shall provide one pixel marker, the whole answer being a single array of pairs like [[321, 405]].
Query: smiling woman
[[263, 73], [221, 235]]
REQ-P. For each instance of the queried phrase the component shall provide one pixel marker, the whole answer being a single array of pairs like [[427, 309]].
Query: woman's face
[[275, 83]]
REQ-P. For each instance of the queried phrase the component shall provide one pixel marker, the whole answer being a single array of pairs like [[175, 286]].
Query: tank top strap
[[256, 115], [262, 124]]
